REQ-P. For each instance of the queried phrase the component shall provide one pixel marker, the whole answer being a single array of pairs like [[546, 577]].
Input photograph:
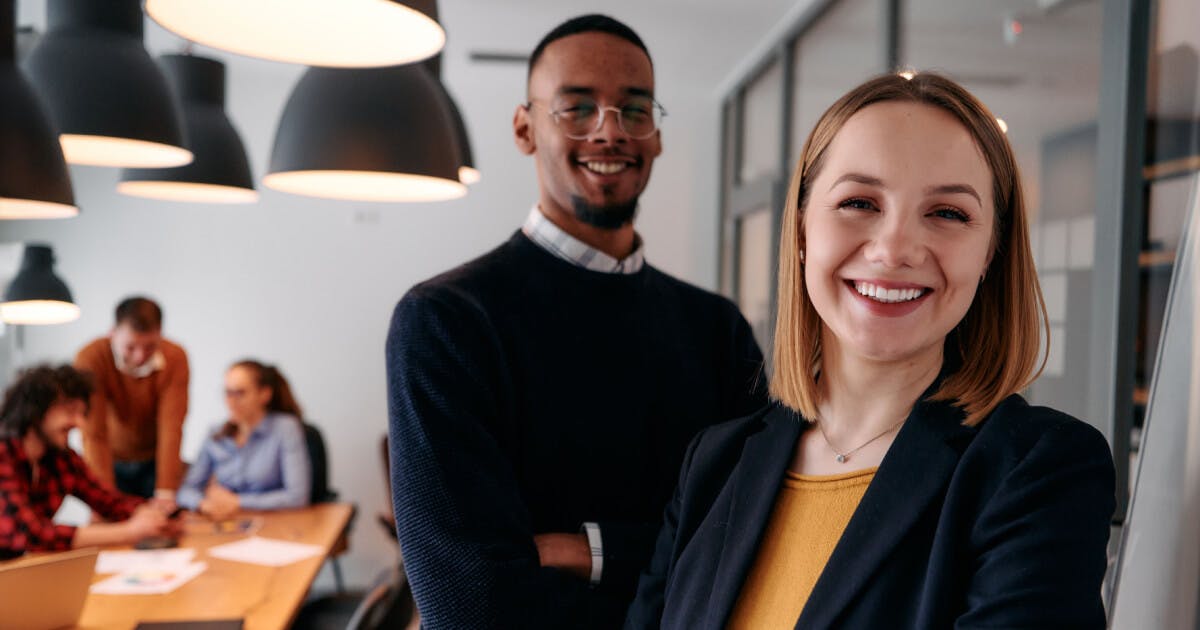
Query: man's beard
[[606, 217]]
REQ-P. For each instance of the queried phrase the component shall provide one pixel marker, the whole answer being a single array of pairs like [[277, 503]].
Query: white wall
[[309, 284]]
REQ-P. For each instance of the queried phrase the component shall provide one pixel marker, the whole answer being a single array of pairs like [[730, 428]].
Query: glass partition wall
[[835, 46], [1099, 98]]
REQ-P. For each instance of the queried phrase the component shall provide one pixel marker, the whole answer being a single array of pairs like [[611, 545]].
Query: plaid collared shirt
[[27, 507], [553, 239]]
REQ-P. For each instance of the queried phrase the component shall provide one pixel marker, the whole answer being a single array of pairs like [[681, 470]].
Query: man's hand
[[219, 502], [569, 552], [146, 521], [166, 506]]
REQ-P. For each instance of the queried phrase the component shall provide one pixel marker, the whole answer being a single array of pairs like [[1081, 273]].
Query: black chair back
[[319, 461], [388, 605]]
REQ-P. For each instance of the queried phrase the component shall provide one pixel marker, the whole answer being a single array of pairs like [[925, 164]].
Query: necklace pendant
[[841, 459]]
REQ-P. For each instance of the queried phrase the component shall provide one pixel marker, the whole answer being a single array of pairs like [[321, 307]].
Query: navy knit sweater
[[529, 395]]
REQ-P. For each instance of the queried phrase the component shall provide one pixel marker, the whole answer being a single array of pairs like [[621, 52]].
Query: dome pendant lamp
[[109, 101], [36, 295], [220, 172], [372, 134], [330, 33], [34, 183], [467, 173]]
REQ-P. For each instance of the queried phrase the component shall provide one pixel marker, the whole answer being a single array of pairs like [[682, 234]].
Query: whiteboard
[[1157, 575]]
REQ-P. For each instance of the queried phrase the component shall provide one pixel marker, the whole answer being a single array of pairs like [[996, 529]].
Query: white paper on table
[[141, 581], [265, 551], [121, 561]]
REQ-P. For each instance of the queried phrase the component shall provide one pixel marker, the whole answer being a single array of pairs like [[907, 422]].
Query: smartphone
[[156, 542]]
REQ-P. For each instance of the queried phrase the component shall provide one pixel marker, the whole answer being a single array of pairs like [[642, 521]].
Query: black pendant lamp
[[108, 99], [332, 33], [34, 183], [371, 134], [220, 172], [36, 295], [467, 173]]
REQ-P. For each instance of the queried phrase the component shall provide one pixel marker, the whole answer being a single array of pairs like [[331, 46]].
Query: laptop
[[46, 591]]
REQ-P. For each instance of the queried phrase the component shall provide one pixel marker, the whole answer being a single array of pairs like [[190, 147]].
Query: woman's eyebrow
[[858, 178], [943, 189], [954, 189]]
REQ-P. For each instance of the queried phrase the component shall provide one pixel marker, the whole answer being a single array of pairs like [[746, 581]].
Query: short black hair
[[141, 313], [36, 390], [591, 23]]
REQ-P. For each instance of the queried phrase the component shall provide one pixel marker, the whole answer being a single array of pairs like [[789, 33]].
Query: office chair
[[320, 492]]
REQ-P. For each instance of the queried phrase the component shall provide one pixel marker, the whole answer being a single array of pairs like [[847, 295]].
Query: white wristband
[[597, 546]]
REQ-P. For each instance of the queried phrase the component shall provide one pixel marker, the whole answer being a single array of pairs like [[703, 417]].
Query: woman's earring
[[802, 257]]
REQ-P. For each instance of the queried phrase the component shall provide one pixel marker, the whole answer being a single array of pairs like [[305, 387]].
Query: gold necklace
[[842, 457]]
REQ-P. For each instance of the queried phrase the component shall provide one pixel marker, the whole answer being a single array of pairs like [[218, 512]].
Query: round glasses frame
[[658, 112]]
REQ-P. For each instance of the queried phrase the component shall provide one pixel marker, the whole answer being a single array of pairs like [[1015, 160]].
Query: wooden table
[[267, 598]]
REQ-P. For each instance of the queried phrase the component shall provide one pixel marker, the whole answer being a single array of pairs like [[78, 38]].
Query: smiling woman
[[899, 481]]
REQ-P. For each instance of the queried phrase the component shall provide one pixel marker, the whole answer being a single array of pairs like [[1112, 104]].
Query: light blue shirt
[[270, 472]]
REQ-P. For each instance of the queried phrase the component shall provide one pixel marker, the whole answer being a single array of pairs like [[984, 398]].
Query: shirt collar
[[262, 428], [156, 362], [553, 239]]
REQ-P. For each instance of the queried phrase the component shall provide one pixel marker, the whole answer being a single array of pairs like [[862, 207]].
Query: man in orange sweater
[[135, 420]]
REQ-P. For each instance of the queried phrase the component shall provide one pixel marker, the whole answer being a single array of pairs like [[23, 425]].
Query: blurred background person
[[134, 426], [38, 470], [258, 458]]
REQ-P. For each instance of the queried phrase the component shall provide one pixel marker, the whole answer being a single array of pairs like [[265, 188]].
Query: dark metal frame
[[1120, 215]]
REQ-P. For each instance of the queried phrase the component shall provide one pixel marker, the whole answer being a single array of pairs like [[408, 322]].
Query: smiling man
[[541, 397], [38, 470]]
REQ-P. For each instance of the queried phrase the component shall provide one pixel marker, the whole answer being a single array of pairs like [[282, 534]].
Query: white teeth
[[606, 168], [887, 296]]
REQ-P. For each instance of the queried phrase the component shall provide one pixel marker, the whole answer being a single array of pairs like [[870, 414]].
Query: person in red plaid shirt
[[38, 470]]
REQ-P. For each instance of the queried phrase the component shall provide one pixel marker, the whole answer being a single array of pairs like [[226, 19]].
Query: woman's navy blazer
[[1003, 525]]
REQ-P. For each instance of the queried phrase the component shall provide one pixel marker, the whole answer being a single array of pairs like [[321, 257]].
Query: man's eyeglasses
[[580, 116]]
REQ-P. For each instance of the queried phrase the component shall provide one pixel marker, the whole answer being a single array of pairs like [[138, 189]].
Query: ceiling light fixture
[[36, 295], [371, 134], [34, 183], [343, 34], [220, 172], [111, 104], [467, 173]]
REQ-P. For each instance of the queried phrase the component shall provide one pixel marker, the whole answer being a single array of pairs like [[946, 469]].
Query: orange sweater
[[135, 419], [810, 514]]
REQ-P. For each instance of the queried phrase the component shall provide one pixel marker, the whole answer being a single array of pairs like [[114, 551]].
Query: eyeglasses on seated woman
[[898, 480]]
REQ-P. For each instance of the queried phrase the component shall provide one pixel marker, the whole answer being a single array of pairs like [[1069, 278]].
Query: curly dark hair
[[36, 390]]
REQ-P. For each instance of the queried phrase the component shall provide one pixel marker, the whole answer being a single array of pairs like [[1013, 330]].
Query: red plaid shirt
[[27, 509]]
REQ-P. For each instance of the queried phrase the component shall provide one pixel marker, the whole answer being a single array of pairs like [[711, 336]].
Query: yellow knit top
[[810, 514]]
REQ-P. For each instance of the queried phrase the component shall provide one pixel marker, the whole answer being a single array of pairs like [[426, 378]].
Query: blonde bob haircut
[[996, 344]]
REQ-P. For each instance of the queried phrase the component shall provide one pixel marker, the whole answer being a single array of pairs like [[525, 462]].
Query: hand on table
[[166, 506], [569, 552], [219, 502], [147, 521]]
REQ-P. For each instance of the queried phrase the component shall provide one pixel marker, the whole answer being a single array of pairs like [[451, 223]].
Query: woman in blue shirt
[[256, 460]]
